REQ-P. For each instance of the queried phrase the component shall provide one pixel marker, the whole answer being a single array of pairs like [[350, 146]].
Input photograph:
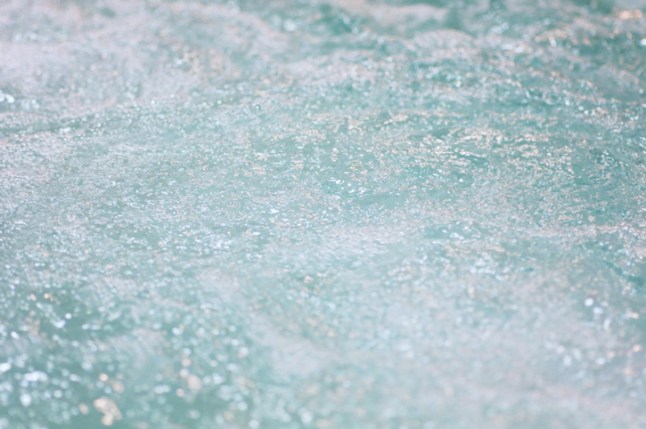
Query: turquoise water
[[322, 214]]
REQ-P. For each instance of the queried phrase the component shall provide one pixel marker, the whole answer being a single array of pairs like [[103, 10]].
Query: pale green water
[[324, 214]]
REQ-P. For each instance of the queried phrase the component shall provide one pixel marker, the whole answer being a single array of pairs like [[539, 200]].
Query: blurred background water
[[322, 214]]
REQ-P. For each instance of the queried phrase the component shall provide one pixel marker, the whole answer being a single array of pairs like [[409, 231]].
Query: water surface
[[322, 214]]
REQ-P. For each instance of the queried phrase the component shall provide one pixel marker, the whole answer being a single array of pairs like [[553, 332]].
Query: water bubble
[[35, 377], [25, 399]]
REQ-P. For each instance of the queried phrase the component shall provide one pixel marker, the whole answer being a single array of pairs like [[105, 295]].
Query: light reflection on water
[[325, 214]]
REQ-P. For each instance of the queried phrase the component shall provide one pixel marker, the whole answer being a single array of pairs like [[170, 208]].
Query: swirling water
[[322, 214]]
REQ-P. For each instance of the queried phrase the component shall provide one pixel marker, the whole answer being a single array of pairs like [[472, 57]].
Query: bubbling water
[[322, 214]]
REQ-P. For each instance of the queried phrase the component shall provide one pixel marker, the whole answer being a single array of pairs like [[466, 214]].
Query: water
[[322, 214]]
